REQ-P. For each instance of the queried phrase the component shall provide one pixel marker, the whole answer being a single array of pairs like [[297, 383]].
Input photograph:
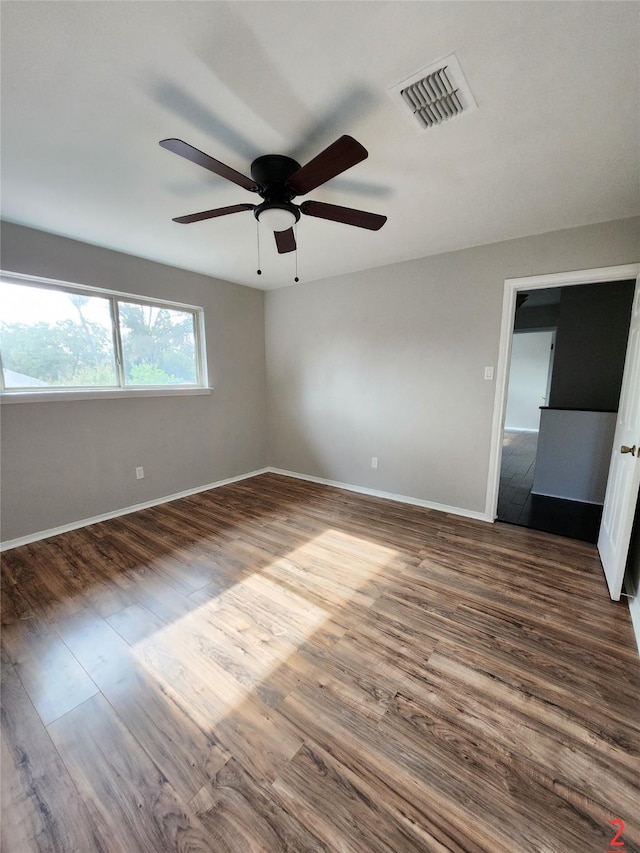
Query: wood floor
[[281, 666]]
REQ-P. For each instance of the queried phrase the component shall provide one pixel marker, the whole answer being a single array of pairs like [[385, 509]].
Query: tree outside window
[[54, 338]]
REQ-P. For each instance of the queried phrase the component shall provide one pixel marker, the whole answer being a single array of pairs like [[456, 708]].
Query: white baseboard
[[452, 510], [85, 522], [520, 429]]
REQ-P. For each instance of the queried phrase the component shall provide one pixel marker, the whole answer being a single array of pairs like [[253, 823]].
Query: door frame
[[511, 287]]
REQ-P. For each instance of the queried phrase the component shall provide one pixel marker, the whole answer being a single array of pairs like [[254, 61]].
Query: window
[[55, 336]]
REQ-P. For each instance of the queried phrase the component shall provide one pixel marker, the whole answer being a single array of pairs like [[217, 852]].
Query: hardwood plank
[[51, 675], [162, 599], [23, 585], [278, 609], [394, 636], [186, 753], [103, 582], [256, 657], [251, 818], [147, 562], [398, 775], [573, 667], [165, 556], [41, 808], [127, 796], [190, 669], [343, 673], [526, 808], [337, 807], [595, 724], [135, 623], [564, 651], [589, 781]]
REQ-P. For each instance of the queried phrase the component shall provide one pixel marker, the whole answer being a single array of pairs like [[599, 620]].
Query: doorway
[[544, 484], [511, 448], [528, 389]]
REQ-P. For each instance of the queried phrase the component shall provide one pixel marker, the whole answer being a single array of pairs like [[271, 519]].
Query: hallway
[[516, 504]]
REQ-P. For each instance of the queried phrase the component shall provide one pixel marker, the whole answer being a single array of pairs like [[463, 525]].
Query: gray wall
[[389, 363], [65, 461], [591, 342], [536, 317]]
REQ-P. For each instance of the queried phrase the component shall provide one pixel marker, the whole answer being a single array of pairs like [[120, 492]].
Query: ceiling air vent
[[435, 94]]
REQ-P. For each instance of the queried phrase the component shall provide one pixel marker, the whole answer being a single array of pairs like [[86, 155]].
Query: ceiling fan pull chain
[[259, 271], [295, 228]]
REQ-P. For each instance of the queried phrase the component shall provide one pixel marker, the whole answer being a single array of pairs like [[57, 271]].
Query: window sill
[[97, 394]]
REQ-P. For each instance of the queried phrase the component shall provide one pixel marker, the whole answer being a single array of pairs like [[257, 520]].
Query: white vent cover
[[435, 94]]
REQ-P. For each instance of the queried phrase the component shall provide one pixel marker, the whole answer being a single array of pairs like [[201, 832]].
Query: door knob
[[631, 450]]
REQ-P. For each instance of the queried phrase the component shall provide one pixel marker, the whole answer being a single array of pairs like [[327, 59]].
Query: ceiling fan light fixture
[[277, 218]]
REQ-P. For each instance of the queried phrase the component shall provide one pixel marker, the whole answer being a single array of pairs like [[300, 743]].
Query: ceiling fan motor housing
[[271, 172]]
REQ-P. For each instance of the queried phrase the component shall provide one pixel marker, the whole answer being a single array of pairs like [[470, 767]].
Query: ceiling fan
[[277, 180]]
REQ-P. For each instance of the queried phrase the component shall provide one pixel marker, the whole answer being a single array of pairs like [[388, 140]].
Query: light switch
[[488, 373]]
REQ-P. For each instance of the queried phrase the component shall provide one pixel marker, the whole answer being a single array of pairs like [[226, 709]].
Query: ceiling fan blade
[[210, 214], [347, 215], [338, 157], [177, 146], [285, 241]]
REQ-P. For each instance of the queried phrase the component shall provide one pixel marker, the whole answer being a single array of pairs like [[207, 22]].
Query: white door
[[624, 473]]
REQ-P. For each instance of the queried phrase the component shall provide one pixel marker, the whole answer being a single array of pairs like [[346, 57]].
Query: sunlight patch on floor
[[238, 642]]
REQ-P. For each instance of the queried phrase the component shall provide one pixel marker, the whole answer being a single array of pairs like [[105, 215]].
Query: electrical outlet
[[374, 461], [140, 473]]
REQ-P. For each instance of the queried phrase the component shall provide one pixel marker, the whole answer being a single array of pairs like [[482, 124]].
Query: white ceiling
[[89, 88]]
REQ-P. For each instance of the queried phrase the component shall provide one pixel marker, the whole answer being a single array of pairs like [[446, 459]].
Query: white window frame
[[22, 395]]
